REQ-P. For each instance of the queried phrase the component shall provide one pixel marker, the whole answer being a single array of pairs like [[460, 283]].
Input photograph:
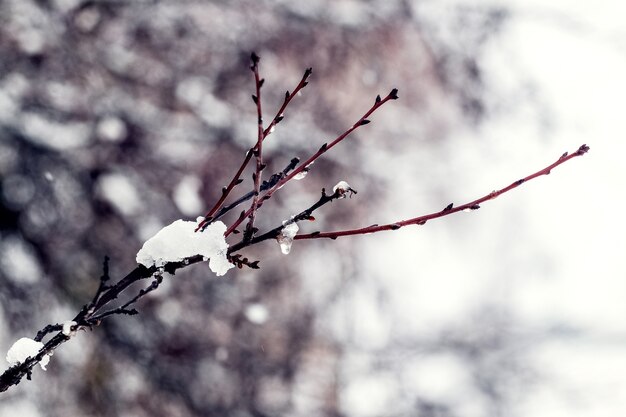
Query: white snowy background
[[549, 255], [536, 276]]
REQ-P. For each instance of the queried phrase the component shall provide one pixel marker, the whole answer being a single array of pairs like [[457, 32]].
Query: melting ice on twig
[[300, 175], [287, 233]]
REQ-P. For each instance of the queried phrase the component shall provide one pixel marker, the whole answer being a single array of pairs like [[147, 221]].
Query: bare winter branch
[[449, 209]]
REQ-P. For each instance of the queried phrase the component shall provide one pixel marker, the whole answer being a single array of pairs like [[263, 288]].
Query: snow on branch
[[179, 241]]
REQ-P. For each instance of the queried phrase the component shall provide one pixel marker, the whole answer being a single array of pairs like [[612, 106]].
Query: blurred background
[[118, 117]]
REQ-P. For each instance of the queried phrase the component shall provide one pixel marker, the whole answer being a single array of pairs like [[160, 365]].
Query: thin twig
[[449, 209], [265, 185], [303, 215], [209, 216], [123, 309], [288, 97], [393, 95], [258, 151]]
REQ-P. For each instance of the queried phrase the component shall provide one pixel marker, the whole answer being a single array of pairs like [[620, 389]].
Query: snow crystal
[[26, 348], [288, 232], [179, 240], [67, 328]]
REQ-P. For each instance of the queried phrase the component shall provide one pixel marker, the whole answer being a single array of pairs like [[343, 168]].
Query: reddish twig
[[236, 180], [288, 97], [258, 150], [393, 95], [449, 209], [303, 215]]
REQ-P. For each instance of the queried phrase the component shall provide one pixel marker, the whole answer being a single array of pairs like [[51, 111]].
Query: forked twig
[[236, 180], [393, 95]]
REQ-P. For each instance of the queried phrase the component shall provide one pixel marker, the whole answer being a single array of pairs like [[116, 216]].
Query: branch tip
[[583, 149]]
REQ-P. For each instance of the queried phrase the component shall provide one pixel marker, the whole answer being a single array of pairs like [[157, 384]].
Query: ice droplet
[[285, 239]]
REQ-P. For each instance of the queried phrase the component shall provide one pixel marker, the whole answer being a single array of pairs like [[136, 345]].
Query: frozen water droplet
[[285, 239]]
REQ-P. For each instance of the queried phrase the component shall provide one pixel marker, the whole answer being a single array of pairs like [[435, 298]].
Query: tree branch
[[236, 180], [393, 95], [449, 209]]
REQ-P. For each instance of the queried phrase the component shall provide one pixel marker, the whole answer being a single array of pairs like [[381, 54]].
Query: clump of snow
[[285, 238], [67, 328], [342, 189], [179, 240], [26, 348]]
